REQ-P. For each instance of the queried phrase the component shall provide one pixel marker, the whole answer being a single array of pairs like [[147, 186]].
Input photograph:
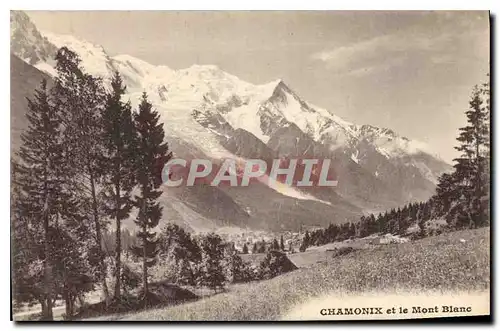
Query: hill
[[453, 262]]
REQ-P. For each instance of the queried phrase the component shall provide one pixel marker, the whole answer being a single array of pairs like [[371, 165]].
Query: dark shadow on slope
[[160, 294]]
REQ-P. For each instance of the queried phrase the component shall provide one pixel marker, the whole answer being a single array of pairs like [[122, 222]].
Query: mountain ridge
[[216, 115], [107, 65]]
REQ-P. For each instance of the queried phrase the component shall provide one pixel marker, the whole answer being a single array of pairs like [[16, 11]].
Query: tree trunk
[[43, 303], [118, 244], [100, 251], [144, 252], [69, 298], [144, 263], [48, 316], [67, 304], [81, 299], [118, 259], [72, 300]]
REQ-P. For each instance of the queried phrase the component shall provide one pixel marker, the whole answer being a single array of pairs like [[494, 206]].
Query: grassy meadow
[[457, 261]]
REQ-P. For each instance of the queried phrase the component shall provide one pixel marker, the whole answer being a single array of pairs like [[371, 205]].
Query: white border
[[183, 5]]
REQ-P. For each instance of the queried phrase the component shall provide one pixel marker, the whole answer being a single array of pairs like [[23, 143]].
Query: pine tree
[[26, 246], [42, 176], [470, 166], [150, 156], [237, 271], [447, 193], [302, 247], [184, 274], [129, 280], [212, 273], [262, 246], [282, 244], [72, 270], [373, 225], [117, 163], [385, 223], [305, 242], [254, 248], [81, 97], [245, 249], [176, 243], [421, 228], [485, 167], [333, 232], [363, 227], [70, 253], [275, 245], [275, 263], [307, 238], [351, 231]]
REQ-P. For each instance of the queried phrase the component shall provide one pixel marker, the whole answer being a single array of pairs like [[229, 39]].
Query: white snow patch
[[393, 147], [245, 117], [354, 157], [292, 192], [42, 66]]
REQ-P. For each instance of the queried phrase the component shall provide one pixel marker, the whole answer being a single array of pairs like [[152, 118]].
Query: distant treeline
[[462, 197]]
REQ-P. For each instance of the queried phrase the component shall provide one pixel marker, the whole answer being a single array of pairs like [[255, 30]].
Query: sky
[[409, 71]]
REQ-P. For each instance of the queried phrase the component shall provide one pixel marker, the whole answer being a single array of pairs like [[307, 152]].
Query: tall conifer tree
[[150, 156], [473, 162], [117, 163], [41, 177]]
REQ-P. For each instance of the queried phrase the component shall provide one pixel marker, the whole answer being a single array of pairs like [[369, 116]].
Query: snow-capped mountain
[[26, 41], [209, 112]]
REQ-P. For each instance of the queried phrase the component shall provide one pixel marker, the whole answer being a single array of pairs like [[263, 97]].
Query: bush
[[342, 251], [274, 264]]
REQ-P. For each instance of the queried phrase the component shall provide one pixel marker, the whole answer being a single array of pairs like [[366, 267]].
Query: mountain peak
[[26, 41], [277, 82], [280, 84], [282, 93], [19, 16]]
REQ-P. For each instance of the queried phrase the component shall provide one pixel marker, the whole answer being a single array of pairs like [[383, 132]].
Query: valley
[[443, 265]]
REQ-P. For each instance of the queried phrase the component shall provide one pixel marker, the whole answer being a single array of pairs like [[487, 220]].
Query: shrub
[[274, 264]]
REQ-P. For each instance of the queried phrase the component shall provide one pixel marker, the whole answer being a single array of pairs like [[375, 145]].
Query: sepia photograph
[[325, 165]]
